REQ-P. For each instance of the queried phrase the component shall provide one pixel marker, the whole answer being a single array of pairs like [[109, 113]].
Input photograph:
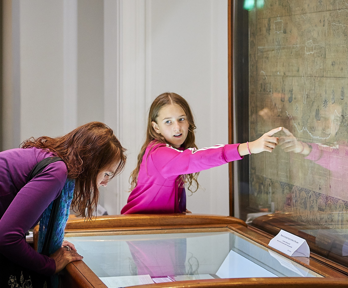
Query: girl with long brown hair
[[169, 157], [91, 156]]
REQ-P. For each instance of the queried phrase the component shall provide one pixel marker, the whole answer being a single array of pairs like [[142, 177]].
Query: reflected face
[[278, 103], [105, 175], [334, 119], [326, 122], [172, 124]]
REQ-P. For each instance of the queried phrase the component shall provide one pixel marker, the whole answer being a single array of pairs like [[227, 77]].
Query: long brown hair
[[86, 151], [162, 100]]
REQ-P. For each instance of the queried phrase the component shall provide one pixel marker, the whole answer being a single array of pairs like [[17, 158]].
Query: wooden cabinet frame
[[78, 274]]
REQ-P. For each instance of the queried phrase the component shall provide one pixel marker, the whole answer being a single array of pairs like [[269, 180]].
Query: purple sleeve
[[172, 162], [25, 209]]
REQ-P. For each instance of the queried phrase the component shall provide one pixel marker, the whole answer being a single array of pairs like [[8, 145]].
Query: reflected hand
[[266, 142], [64, 255], [289, 143]]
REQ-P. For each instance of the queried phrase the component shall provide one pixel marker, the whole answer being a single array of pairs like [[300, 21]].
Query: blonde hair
[[151, 135]]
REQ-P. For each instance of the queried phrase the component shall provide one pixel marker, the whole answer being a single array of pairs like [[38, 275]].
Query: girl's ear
[[155, 127]]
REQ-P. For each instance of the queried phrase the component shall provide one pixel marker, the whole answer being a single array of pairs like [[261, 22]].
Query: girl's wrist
[[301, 148], [243, 149], [248, 148], [251, 147], [305, 150]]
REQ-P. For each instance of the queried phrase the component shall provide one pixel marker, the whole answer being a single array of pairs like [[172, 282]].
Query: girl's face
[[172, 124], [106, 174]]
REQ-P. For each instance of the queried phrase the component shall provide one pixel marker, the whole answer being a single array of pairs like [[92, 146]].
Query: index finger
[[273, 131], [286, 131]]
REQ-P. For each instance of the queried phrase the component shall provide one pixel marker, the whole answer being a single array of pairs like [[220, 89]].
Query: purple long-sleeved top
[[22, 203], [158, 190]]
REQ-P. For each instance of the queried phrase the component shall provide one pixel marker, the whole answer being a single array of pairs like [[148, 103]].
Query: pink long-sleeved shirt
[[157, 189], [335, 160]]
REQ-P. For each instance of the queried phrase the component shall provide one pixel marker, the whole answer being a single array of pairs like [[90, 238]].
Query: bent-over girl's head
[[87, 151]]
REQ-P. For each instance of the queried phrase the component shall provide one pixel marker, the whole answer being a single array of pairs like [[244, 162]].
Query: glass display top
[[124, 260]]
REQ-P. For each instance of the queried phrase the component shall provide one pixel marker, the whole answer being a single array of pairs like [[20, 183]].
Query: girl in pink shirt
[[170, 158]]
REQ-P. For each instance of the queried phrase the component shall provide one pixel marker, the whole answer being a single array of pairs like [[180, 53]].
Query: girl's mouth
[[177, 135]]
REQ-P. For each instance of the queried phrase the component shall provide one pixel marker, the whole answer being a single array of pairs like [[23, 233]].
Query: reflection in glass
[[297, 79], [183, 256], [160, 258]]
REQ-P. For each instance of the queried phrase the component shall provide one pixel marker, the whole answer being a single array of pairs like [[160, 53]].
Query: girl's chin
[[176, 145]]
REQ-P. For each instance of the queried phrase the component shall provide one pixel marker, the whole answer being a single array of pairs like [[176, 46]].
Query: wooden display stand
[[78, 274]]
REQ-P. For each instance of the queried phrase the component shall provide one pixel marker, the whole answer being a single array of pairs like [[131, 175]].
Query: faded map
[[299, 80]]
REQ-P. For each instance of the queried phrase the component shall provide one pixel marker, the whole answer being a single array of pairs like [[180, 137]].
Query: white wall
[[41, 68], [85, 60], [32, 70], [56, 80], [8, 112], [90, 61]]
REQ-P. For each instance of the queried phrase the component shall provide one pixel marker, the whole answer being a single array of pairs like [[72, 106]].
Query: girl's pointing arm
[[172, 162]]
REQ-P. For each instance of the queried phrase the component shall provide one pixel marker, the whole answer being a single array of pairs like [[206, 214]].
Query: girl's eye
[[168, 122], [182, 119]]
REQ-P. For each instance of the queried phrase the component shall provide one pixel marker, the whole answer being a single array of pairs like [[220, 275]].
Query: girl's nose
[[177, 126]]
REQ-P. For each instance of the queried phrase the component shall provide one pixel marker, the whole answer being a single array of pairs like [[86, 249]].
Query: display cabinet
[[183, 251], [288, 69]]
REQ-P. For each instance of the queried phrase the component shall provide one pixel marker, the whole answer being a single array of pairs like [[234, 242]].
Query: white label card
[[290, 244]]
